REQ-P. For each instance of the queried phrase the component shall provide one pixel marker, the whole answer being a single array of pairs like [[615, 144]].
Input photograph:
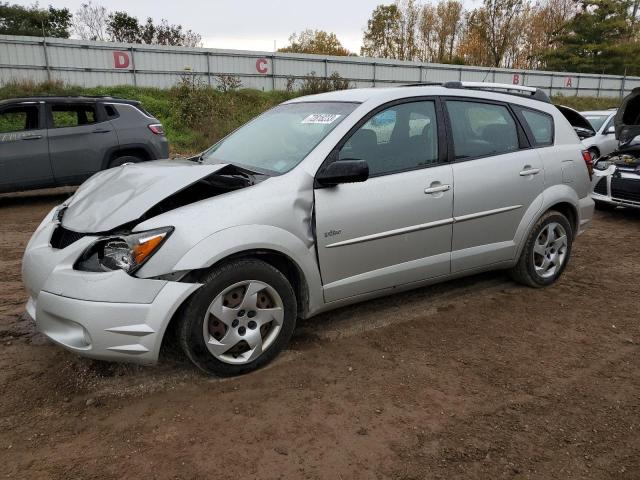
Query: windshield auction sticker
[[322, 118]]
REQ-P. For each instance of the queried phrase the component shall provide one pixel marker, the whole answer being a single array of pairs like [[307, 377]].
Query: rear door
[[24, 155], [79, 138], [394, 228], [497, 176]]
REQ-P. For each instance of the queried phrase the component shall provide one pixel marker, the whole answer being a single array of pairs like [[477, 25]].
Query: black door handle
[[31, 137], [101, 130]]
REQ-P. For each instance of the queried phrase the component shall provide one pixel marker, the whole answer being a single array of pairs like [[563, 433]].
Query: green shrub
[[582, 104]]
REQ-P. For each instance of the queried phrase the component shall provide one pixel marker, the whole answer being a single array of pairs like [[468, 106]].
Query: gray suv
[[320, 202], [55, 141]]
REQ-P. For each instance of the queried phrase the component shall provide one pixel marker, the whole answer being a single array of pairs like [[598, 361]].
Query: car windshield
[[280, 138], [596, 121]]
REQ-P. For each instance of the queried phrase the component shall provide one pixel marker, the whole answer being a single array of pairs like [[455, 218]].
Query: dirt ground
[[474, 379]]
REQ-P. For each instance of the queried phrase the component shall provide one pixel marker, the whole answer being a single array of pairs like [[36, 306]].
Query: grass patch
[[583, 104]]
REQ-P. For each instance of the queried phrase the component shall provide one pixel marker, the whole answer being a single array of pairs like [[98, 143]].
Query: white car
[[604, 141]]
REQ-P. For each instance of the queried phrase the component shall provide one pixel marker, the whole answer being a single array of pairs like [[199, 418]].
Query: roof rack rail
[[421, 84], [46, 95], [519, 90]]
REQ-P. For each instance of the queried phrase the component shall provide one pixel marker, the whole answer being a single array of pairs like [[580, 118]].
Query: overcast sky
[[248, 24]]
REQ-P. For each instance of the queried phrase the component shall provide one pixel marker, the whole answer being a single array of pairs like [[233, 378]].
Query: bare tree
[[90, 22]]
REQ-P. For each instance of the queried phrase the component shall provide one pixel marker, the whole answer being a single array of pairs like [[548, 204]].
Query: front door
[[78, 141], [24, 154], [394, 228], [497, 178]]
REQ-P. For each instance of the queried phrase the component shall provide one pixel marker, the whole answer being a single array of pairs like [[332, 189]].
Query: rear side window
[[481, 129], [19, 118], [111, 111], [73, 115], [541, 125]]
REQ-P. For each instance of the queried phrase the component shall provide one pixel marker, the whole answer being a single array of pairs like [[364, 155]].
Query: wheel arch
[[568, 210], [278, 260], [276, 246], [134, 149], [562, 198]]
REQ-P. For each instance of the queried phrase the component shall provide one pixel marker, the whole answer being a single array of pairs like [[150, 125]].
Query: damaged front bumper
[[106, 316], [616, 187]]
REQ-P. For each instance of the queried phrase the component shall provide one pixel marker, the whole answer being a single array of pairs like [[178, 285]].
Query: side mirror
[[584, 132], [611, 130], [343, 171]]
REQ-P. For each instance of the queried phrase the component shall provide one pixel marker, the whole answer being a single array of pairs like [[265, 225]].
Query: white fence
[[103, 64]]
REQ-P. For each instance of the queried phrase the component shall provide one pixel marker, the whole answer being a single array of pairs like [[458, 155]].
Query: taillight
[[157, 128], [586, 155]]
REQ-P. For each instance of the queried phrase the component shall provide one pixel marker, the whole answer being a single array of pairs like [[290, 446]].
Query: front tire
[[546, 252], [240, 319]]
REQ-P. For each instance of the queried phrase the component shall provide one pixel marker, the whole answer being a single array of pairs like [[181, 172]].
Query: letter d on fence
[[120, 59]]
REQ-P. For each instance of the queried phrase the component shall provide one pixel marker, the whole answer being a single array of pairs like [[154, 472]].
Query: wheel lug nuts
[[252, 325], [242, 330], [241, 313], [235, 323], [251, 314]]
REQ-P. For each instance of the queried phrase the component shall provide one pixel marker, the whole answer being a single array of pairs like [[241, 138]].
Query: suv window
[[19, 118], [481, 129], [541, 125], [73, 115], [402, 137]]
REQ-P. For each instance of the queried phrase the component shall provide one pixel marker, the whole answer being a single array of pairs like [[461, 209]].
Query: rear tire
[[119, 161], [546, 252], [240, 319], [604, 206]]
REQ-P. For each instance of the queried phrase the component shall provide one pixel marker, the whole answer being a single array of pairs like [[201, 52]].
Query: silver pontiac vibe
[[320, 202]]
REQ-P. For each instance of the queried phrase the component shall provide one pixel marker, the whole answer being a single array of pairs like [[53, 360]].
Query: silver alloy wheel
[[550, 250], [243, 321]]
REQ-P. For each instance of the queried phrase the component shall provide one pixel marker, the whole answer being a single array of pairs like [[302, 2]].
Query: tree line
[[92, 22], [590, 36]]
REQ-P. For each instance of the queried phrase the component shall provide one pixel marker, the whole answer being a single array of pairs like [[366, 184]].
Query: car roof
[[380, 95], [68, 99], [600, 112]]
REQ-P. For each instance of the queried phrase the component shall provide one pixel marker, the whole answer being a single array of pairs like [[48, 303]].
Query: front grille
[[601, 186], [62, 238], [626, 189]]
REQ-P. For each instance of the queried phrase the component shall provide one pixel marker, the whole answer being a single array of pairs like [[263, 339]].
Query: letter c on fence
[[516, 79], [261, 65], [120, 59]]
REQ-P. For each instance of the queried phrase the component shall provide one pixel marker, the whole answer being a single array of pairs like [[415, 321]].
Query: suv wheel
[[546, 252], [240, 319], [116, 162]]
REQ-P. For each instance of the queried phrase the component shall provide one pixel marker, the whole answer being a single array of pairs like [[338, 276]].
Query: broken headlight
[[603, 164], [122, 252]]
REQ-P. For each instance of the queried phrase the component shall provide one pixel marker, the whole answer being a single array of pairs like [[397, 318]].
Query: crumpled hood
[[114, 197]]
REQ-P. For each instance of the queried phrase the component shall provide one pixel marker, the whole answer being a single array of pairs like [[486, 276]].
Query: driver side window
[[402, 137]]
